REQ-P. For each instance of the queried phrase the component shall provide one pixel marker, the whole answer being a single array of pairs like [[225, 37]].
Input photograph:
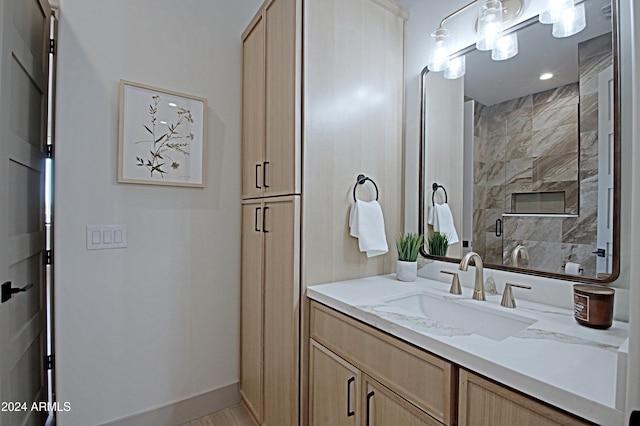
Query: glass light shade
[[506, 47], [573, 21], [440, 57], [555, 10], [489, 24], [456, 68]]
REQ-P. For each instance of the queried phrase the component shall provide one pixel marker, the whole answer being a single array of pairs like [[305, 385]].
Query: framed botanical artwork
[[162, 136]]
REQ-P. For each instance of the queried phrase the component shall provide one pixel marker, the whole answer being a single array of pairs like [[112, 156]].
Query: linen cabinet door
[[281, 230], [251, 290], [334, 386], [253, 109], [282, 57], [382, 407]]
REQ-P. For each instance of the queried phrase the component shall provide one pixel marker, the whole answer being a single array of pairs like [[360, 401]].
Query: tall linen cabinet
[[323, 101]]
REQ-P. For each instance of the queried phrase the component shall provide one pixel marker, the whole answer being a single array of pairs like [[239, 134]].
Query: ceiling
[[490, 82]]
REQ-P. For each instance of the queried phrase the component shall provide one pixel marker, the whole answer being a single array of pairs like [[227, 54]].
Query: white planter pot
[[406, 271]]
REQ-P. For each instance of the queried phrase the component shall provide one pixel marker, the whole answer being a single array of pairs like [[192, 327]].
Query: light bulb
[[555, 10], [572, 22], [506, 47], [440, 57], [489, 24], [456, 68]]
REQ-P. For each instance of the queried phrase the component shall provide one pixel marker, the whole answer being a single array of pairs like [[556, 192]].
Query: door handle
[[255, 219], [349, 411], [369, 396], [8, 291], [264, 219], [498, 227], [257, 174], [265, 174]]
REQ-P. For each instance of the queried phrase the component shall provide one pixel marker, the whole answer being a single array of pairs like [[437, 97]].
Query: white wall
[[156, 322]]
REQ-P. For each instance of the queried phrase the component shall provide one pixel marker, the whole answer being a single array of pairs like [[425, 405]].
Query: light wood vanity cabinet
[[485, 403], [405, 381], [399, 384]]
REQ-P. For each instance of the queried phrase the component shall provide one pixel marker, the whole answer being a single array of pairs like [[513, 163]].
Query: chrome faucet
[[478, 286], [519, 250]]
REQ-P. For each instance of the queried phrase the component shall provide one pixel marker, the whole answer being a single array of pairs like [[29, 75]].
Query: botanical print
[[162, 137], [171, 142]]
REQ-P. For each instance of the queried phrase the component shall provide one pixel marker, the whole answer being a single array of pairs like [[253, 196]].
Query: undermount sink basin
[[465, 315]]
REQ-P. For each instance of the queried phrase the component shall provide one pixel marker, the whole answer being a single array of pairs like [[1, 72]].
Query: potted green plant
[[438, 244], [408, 246]]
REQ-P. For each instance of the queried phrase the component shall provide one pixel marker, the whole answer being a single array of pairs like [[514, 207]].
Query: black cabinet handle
[[264, 219], [600, 252], [257, 174], [255, 219], [349, 411], [369, 396], [498, 227], [8, 291], [265, 174]]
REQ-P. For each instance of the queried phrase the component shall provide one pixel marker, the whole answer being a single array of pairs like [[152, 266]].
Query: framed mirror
[[530, 166]]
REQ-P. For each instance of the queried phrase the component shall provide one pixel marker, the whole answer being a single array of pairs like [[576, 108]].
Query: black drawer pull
[[257, 174], [349, 411], [369, 397], [255, 219]]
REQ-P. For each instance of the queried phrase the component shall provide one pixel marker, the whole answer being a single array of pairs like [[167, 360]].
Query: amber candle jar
[[593, 305]]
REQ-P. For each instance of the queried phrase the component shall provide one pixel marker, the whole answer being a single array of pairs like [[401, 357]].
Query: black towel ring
[[435, 187], [361, 180]]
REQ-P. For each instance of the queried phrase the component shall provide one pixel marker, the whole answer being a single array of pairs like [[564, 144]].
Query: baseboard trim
[[184, 410]]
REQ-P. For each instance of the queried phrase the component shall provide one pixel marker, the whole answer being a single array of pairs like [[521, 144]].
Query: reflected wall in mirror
[[539, 155]]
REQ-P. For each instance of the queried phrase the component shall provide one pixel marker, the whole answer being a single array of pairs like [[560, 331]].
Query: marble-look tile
[[600, 45], [582, 254], [496, 126], [589, 70], [589, 193], [589, 150], [495, 148], [491, 217], [556, 98], [544, 256], [479, 148], [556, 140], [529, 228], [495, 198], [518, 106], [552, 118], [589, 112], [570, 189], [556, 168], [519, 146], [495, 173], [583, 229], [519, 123], [519, 171], [493, 249], [479, 172]]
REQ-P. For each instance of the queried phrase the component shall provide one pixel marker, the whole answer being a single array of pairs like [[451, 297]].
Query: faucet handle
[[455, 282], [507, 297]]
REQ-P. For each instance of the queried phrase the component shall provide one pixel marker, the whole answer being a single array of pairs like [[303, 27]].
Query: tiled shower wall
[[531, 144]]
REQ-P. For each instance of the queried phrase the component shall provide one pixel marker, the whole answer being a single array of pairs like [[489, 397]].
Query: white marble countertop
[[554, 359]]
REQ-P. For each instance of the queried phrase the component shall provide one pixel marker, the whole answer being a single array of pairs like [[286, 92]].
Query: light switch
[[106, 236]]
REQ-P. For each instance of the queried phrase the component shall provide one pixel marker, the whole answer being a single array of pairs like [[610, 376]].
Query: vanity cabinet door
[[484, 403], [334, 387], [382, 407]]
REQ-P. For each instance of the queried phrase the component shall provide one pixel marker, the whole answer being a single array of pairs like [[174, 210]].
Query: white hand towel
[[366, 223], [441, 218]]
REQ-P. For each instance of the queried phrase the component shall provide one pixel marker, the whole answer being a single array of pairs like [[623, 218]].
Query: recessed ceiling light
[[546, 76], [163, 122], [171, 104]]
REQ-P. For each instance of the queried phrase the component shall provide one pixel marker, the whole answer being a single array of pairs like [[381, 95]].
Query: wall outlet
[[100, 237]]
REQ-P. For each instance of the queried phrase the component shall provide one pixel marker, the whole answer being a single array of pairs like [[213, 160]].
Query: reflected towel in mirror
[[366, 223], [441, 218]]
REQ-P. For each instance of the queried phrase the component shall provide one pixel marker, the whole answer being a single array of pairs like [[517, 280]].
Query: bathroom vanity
[[382, 348]]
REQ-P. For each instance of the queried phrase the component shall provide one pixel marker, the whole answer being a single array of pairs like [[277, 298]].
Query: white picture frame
[[162, 136]]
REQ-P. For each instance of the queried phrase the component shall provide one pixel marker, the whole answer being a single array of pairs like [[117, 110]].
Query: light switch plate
[[100, 237]]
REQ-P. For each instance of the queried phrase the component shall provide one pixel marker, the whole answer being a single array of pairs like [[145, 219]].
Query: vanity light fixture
[[456, 68], [546, 76], [492, 16], [506, 47], [567, 19]]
